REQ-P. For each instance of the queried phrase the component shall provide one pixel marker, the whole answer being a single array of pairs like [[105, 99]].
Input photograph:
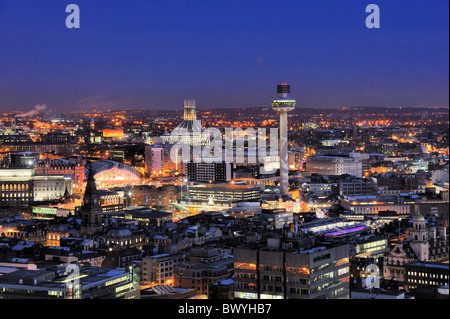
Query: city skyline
[[149, 56], [309, 160]]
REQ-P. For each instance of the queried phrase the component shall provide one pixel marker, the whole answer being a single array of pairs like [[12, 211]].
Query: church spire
[[91, 188], [66, 195], [91, 211]]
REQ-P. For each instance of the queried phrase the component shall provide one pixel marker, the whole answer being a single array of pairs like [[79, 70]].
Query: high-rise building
[[209, 171], [154, 160], [320, 272], [283, 105]]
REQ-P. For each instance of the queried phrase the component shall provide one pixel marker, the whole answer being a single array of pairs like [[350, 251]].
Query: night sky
[[154, 54]]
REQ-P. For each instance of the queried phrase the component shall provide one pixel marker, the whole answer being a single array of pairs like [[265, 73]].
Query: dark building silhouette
[[91, 211]]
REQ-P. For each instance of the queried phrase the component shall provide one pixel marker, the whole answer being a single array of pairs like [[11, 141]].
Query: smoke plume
[[37, 108]]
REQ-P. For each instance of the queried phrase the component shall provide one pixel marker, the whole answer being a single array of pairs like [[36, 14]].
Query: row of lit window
[[426, 275], [375, 244], [15, 187], [426, 282], [16, 195], [126, 242], [298, 270], [114, 281], [326, 285]]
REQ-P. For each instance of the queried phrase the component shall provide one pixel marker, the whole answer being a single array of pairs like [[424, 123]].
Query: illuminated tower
[[92, 124], [283, 105], [190, 114], [92, 131]]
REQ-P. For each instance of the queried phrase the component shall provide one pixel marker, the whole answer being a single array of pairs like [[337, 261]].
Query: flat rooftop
[[432, 265]]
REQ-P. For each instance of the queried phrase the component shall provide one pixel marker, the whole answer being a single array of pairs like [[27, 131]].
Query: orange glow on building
[[115, 133]]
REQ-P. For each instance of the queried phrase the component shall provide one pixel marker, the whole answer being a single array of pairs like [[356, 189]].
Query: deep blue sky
[[155, 54]]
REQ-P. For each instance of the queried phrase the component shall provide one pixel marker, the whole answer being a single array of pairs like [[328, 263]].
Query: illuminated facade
[[62, 167], [334, 165], [371, 205], [113, 133], [16, 186], [223, 194], [47, 188], [154, 160]]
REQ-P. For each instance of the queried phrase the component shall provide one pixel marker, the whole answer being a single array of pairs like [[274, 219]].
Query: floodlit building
[[372, 204], [336, 165], [16, 186], [53, 187], [154, 160], [223, 194]]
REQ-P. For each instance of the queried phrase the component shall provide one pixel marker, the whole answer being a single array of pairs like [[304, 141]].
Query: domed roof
[[418, 218], [118, 233], [106, 165]]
